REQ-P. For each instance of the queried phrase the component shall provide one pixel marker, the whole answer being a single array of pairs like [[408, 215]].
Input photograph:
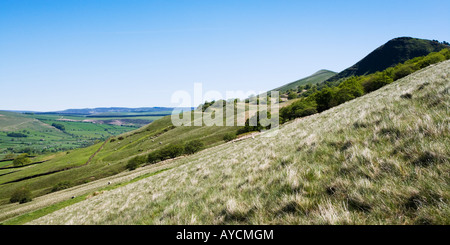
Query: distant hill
[[36, 134], [315, 78], [109, 110], [11, 121], [395, 51]]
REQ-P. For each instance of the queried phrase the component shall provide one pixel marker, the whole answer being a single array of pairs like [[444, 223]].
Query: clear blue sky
[[76, 54]]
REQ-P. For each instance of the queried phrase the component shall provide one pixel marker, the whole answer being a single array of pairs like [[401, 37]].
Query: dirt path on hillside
[[95, 153], [59, 170]]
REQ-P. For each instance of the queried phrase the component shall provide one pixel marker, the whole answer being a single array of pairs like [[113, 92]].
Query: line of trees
[[167, 152], [17, 135], [59, 126]]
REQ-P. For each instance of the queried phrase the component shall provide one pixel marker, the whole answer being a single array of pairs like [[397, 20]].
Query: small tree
[[171, 151], [299, 108], [347, 90], [324, 99], [21, 160], [61, 186], [376, 81], [193, 146], [403, 71], [132, 165], [59, 126], [154, 157], [292, 95], [135, 162]]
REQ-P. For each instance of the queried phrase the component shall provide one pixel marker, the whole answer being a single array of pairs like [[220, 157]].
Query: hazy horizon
[[58, 55], [91, 108]]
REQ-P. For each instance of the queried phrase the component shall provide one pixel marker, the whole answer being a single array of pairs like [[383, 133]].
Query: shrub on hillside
[[309, 90], [193, 146], [376, 81], [446, 53], [59, 126], [348, 90], [21, 160], [17, 135], [153, 157], [61, 186], [292, 95], [432, 58], [135, 162], [21, 195], [403, 71], [299, 108], [229, 137], [171, 151], [300, 88], [324, 99]]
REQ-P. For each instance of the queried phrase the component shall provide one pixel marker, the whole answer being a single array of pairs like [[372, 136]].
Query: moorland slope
[[382, 158]]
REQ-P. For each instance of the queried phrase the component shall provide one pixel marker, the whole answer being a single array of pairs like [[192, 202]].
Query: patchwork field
[[41, 137]]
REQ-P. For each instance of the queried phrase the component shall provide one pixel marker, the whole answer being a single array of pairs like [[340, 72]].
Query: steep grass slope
[[315, 78], [397, 50], [382, 158]]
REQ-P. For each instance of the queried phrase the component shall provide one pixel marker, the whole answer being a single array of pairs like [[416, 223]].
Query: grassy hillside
[[382, 158], [315, 78], [107, 159], [38, 134], [395, 51]]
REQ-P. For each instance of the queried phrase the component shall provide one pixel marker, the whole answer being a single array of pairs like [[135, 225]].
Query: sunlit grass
[[379, 159]]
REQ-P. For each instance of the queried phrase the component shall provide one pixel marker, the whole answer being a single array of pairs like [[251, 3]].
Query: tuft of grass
[[428, 158], [406, 96]]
